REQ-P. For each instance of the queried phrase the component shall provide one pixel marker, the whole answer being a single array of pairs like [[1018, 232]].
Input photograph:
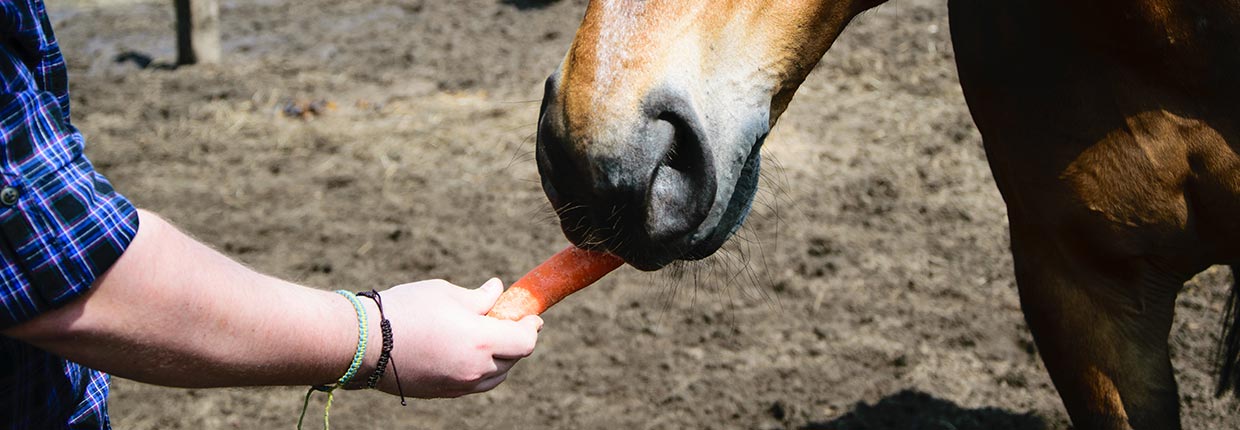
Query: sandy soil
[[350, 144]]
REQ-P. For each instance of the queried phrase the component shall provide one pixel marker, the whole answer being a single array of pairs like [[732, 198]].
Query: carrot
[[564, 273]]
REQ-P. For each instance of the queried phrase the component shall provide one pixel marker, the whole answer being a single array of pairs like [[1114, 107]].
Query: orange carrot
[[564, 273]]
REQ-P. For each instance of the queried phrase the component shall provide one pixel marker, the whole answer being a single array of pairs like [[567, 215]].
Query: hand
[[444, 345]]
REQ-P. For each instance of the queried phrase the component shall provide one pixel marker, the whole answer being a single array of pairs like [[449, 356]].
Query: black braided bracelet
[[385, 354]]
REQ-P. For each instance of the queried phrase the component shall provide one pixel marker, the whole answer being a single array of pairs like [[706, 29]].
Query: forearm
[[174, 312]]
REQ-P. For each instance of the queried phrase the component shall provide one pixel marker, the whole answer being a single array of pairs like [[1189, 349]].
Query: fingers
[[515, 339], [533, 321], [502, 366], [489, 383], [481, 299]]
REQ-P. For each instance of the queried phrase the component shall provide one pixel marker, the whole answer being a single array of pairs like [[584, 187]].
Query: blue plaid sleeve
[[61, 226], [61, 223]]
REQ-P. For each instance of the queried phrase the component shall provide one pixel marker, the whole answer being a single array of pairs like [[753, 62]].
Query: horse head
[[650, 129]]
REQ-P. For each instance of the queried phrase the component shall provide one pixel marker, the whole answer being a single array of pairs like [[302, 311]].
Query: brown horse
[[1112, 128]]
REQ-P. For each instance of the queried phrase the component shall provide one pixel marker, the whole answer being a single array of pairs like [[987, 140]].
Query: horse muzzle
[[642, 187]]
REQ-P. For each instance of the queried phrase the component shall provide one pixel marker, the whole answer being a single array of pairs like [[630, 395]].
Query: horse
[[1111, 128]]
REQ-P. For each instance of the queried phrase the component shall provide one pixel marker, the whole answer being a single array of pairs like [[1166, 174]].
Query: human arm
[[171, 311]]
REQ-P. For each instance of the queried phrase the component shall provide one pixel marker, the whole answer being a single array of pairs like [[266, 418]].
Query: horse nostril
[[685, 153], [682, 187]]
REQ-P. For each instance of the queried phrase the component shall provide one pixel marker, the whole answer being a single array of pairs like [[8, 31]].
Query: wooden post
[[198, 31]]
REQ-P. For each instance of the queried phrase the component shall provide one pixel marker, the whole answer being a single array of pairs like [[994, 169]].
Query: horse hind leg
[[1102, 334], [1228, 358]]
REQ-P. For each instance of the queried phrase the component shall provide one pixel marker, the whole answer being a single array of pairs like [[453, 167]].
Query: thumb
[[481, 300], [533, 321]]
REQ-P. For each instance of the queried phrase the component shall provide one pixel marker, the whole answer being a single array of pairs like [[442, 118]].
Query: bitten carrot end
[[566, 272]]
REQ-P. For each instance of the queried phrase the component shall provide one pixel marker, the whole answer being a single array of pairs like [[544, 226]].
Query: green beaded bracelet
[[363, 333]]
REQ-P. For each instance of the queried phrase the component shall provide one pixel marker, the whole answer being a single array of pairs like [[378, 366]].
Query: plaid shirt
[[61, 226]]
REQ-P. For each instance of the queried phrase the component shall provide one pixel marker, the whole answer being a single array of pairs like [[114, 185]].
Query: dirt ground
[[359, 144]]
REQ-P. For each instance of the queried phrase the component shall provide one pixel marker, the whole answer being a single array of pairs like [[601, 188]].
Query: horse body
[[1112, 134], [1111, 127]]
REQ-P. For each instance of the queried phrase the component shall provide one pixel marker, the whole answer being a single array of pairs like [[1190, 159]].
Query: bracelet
[[362, 335], [385, 354]]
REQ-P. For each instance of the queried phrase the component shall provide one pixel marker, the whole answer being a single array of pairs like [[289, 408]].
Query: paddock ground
[[359, 144]]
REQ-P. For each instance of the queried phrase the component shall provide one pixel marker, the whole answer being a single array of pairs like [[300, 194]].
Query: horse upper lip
[[737, 209]]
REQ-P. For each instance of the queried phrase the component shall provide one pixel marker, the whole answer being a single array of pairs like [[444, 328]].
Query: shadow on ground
[[915, 410], [529, 4], [142, 61]]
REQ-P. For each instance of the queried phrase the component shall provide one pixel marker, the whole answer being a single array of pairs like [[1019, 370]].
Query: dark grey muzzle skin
[[646, 198]]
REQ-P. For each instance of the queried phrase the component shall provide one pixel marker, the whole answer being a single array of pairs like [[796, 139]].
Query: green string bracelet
[[362, 334]]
